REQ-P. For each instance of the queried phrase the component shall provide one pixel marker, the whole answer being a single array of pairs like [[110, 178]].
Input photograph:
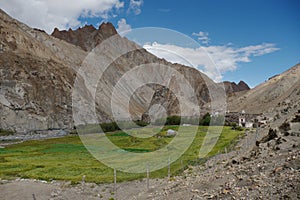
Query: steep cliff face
[[38, 74], [34, 94]]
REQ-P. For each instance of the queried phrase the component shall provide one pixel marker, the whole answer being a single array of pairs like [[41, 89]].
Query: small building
[[242, 118]]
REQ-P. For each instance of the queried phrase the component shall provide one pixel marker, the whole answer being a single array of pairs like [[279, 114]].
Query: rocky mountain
[[283, 89], [87, 37], [231, 87], [39, 73]]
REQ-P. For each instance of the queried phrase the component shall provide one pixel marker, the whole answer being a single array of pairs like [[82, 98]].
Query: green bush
[[141, 123], [233, 125], [177, 120], [170, 120], [173, 120], [113, 126], [239, 128], [205, 121], [109, 127]]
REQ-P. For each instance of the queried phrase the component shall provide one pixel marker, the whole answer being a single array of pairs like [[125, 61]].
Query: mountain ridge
[[87, 37], [232, 87], [38, 73], [268, 94]]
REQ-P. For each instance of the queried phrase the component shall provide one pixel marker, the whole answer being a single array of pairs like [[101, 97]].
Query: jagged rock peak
[[86, 37], [243, 86], [232, 87], [107, 28], [86, 28]]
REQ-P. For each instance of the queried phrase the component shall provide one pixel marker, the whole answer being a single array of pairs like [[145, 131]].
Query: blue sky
[[256, 38]]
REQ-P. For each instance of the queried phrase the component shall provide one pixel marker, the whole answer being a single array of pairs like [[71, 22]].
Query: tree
[[205, 121]]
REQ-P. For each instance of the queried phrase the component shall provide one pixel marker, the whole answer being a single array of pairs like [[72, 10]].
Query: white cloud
[[48, 14], [212, 60], [123, 27], [135, 6], [202, 37]]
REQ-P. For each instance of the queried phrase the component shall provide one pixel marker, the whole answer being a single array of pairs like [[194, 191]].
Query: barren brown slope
[[269, 94], [38, 73]]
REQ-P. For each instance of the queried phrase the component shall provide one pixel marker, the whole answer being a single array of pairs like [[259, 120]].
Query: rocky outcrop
[[231, 87], [36, 77], [87, 37]]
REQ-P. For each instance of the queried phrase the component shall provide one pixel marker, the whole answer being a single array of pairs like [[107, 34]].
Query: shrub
[[239, 128], [205, 121], [109, 127], [173, 120], [141, 123], [233, 125]]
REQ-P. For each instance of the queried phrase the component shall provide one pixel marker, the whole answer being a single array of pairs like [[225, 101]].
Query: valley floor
[[269, 169]]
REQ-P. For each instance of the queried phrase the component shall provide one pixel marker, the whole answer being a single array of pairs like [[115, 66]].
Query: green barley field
[[67, 158]]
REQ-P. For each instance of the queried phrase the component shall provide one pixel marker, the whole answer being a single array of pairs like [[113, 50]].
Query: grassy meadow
[[67, 158]]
